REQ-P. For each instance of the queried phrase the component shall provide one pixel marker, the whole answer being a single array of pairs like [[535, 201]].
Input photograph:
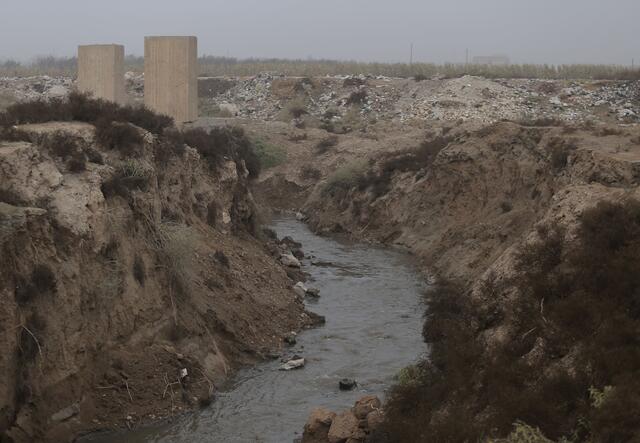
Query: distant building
[[491, 60]]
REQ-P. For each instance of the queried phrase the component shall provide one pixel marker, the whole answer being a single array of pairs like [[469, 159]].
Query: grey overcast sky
[[536, 31]]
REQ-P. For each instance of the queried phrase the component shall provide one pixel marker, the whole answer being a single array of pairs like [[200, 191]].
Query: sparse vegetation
[[420, 77], [222, 143], [269, 155], [67, 147], [566, 368], [324, 145], [344, 179], [118, 136], [409, 160], [130, 176], [81, 107], [559, 150], [175, 243], [215, 66], [357, 97], [308, 172], [296, 109]]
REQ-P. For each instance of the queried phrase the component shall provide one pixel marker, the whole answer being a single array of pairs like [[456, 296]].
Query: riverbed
[[372, 300]]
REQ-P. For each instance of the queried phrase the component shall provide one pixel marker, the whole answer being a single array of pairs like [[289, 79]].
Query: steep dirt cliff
[[131, 283], [456, 196], [533, 233]]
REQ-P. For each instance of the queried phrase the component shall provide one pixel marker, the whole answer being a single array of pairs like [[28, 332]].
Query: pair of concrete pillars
[[170, 71]]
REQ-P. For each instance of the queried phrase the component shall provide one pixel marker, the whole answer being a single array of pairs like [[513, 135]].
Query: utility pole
[[466, 57], [411, 55]]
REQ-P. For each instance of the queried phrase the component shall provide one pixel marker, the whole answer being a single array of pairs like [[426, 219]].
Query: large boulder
[[316, 430], [342, 427]]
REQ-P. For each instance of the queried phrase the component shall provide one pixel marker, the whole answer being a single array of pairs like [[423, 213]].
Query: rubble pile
[[270, 96], [37, 87]]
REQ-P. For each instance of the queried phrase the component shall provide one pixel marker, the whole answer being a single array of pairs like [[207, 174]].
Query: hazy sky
[[537, 31]]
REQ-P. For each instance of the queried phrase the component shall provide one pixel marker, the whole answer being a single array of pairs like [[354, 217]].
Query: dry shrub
[[344, 179], [420, 78], [543, 122], [607, 131], [575, 298], [66, 146], [404, 161], [118, 136], [129, 177], [222, 143], [353, 81], [308, 172], [83, 108], [175, 244], [297, 109], [357, 97], [326, 144], [559, 150]]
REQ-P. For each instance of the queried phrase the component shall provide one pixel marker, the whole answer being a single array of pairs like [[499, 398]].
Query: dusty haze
[[544, 31]]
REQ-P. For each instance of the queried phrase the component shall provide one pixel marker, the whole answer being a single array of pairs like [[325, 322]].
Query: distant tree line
[[218, 66]]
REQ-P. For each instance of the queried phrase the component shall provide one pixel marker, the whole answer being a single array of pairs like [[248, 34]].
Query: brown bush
[[129, 177], [308, 172], [83, 108], [224, 142], [357, 97], [324, 145], [121, 137], [404, 161], [577, 298]]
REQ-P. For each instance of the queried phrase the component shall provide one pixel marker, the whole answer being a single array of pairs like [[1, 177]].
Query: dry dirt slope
[[117, 277], [465, 202], [460, 208]]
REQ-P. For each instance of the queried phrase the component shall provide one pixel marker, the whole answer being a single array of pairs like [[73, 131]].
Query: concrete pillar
[[101, 72], [171, 77]]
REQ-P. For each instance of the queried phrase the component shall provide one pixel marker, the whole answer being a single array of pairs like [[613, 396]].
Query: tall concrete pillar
[[101, 72], [171, 77]]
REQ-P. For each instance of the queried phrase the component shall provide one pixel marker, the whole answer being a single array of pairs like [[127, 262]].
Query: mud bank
[[131, 286]]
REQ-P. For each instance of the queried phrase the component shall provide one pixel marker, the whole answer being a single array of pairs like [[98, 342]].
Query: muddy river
[[371, 298]]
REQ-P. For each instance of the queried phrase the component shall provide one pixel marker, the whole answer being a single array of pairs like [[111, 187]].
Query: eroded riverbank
[[372, 302]]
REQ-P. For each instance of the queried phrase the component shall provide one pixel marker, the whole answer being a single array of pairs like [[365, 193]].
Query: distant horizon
[[570, 32], [632, 62]]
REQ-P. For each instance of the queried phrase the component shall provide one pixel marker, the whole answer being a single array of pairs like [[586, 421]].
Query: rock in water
[[313, 292], [289, 260], [347, 384], [293, 364], [300, 289]]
